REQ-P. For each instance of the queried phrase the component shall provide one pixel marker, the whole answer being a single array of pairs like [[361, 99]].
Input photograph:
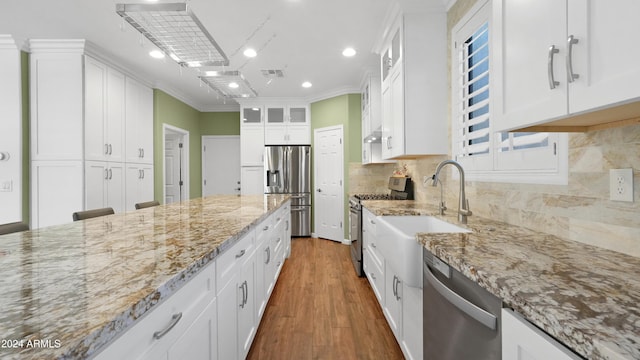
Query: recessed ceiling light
[[349, 52], [250, 53], [156, 54], [306, 84], [233, 85]]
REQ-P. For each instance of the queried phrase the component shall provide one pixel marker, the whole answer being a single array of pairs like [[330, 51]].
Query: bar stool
[[88, 214], [148, 204], [13, 228]]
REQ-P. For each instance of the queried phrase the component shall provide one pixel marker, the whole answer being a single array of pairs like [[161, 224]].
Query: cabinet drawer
[[139, 342], [374, 275], [369, 222], [226, 263], [264, 231]]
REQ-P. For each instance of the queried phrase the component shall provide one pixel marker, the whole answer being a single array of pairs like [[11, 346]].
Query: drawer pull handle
[[265, 228], [373, 245], [174, 320], [240, 254]]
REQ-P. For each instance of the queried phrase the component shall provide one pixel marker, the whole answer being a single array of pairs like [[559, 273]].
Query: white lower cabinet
[[523, 341], [236, 270], [54, 206], [393, 301], [202, 331], [139, 185], [401, 304], [251, 180], [104, 185], [412, 343], [216, 314], [177, 329]]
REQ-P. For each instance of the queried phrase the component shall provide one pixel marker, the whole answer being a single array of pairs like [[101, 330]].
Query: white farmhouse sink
[[398, 245]]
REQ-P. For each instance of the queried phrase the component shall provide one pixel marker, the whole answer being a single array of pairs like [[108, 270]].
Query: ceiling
[[303, 38]]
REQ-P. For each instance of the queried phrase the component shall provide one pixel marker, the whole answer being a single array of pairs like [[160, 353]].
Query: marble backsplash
[[579, 211]]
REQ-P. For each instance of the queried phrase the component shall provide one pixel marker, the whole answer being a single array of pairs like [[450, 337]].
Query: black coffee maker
[[401, 188]]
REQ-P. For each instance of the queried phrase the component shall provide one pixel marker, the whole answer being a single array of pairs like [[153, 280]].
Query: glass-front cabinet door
[[275, 114], [251, 115], [298, 115]]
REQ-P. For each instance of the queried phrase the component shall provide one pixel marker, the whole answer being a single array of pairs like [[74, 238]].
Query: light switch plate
[[621, 184]]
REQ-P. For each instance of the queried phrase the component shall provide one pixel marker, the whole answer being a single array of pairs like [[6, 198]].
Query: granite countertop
[[584, 296], [75, 287]]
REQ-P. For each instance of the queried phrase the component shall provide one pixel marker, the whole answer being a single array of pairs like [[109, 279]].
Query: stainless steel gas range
[[401, 189]]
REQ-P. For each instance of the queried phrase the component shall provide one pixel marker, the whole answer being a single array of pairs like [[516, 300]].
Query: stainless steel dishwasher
[[461, 319]]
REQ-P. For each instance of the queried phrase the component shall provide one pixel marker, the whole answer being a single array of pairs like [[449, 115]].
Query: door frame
[[203, 167], [173, 130], [345, 240]]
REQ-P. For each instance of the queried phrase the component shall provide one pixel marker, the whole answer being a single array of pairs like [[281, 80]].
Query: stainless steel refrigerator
[[288, 172]]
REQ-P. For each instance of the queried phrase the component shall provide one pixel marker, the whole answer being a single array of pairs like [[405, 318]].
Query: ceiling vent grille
[[272, 74]]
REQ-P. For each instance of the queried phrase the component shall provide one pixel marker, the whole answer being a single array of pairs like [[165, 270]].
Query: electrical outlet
[[621, 184]]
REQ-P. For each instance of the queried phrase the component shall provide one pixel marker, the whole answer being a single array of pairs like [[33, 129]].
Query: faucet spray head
[[435, 180]]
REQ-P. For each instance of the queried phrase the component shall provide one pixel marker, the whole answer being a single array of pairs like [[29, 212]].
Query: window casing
[[484, 154]]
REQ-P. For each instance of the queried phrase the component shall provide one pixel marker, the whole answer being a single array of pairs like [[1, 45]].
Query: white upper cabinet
[[92, 116], [414, 74], [371, 120], [104, 112], [553, 61], [139, 122], [251, 115], [56, 92], [287, 124]]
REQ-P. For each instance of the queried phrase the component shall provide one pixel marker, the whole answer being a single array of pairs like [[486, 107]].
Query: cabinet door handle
[[372, 276], [110, 149], [552, 82], [174, 320], [373, 245], [286, 226], [268, 251], [139, 174], [246, 293], [142, 173], [142, 152], [570, 75], [110, 174], [398, 282], [106, 149], [277, 241], [106, 174], [389, 142], [240, 254], [265, 228], [242, 301]]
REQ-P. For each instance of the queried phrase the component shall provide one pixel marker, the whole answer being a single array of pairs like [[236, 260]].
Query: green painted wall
[[171, 111], [342, 110], [220, 123], [26, 144]]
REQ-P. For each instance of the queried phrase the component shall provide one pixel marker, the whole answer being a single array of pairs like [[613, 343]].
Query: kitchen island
[[585, 297], [69, 290]]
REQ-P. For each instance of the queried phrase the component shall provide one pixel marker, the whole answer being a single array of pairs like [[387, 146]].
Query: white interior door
[[175, 166], [220, 165], [328, 174]]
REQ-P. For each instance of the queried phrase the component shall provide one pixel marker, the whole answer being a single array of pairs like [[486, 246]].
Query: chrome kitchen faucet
[[463, 205]]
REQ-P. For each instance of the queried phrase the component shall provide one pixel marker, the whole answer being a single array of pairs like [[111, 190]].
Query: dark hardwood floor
[[320, 309]]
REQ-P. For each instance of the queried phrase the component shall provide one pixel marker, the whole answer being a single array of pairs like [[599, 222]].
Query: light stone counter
[[68, 290], [586, 297]]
